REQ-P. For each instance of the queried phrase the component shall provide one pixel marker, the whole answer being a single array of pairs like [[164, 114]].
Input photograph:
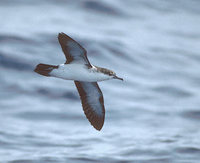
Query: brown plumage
[[91, 110], [44, 69]]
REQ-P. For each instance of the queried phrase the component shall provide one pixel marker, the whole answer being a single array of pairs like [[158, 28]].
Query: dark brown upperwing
[[73, 51]]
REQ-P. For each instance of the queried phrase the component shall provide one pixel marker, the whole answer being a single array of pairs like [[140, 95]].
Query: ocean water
[[153, 116]]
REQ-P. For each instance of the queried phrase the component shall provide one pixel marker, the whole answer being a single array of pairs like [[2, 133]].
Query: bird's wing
[[73, 51], [92, 102]]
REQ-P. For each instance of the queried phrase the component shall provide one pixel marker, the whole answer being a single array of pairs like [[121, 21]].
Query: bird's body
[[79, 72], [85, 76]]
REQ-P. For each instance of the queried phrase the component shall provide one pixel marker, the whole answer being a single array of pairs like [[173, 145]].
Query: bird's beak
[[116, 77]]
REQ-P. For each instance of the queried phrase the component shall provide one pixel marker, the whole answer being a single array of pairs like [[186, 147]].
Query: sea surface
[[153, 116]]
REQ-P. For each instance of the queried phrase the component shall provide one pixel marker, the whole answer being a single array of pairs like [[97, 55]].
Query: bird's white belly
[[78, 72]]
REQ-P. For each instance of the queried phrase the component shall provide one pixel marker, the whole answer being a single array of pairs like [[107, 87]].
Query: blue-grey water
[[151, 117]]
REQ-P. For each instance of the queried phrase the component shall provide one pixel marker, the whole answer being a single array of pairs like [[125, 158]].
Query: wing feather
[[73, 51], [92, 102]]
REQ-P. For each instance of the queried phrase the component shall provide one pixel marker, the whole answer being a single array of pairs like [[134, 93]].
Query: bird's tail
[[44, 69]]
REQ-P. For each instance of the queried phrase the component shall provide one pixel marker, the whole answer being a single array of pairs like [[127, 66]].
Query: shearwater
[[85, 75]]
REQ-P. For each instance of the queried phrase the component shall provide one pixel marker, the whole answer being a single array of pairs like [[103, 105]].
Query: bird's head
[[110, 73]]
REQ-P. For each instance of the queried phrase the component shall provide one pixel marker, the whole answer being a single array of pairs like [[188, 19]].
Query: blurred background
[[151, 117]]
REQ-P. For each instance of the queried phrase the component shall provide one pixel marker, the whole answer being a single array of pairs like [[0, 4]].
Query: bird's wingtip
[[61, 34]]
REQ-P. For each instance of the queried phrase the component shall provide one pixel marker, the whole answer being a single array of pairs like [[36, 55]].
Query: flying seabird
[[85, 75]]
